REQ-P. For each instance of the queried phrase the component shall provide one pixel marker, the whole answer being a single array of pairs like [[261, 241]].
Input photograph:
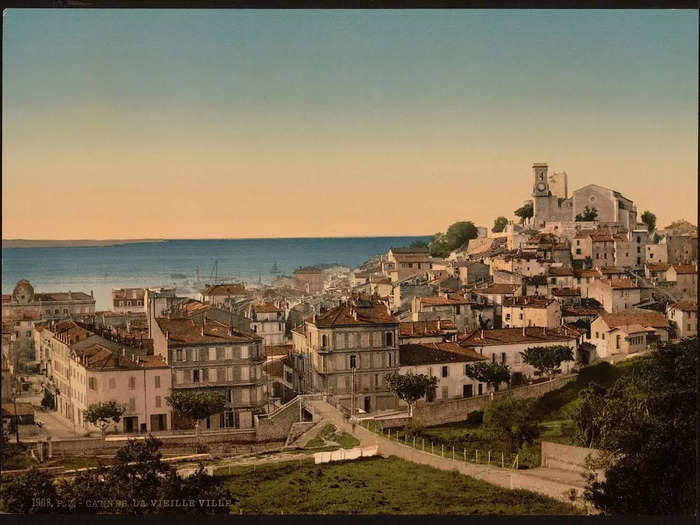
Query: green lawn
[[555, 412], [329, 437], [376, 486]]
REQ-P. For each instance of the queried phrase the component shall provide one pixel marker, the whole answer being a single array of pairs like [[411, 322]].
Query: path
[[549, 482]]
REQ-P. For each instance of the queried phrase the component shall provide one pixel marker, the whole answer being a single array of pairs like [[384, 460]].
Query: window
[[389, 360], [503, 358], [456, 311], [507, 317], [353, 361], [195, 376], [213, 375], [112, 383], [389, 339], [617, 341], [180, 377], [195, 354], [639, 250], [493, 357], [324, 341], [229, 373], [157, 401], [228, 352], [245, 395], [597, 335], [602, 336], [132, 383], [93, 383], [132, 403], [212, 354], [245, 373], [244, 352], [157, 380], [178, 355], [578, 251], [444, 371]]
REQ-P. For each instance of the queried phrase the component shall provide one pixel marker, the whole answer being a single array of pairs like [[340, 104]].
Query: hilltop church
[[552, 203]]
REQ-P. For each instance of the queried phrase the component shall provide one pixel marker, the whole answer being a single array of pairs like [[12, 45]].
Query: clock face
[[540, 186]]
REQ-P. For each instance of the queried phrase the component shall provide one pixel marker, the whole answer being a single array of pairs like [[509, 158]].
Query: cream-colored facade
[[627, 333], [528, 311], [616, 295], [685, 316], [657, 253]]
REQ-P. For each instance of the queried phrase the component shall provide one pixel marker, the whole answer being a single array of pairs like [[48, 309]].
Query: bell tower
[[541, 186]]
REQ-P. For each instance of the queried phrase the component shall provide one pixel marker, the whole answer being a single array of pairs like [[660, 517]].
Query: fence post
[[502, 462], [465, 454], [442, 450], [489, 457], [414, 441], [432, 448], [453, 453], [476, 456]]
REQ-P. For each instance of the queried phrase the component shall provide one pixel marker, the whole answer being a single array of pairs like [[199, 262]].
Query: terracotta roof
[[560, 271], [619, 284], [56, 297], [566, 292], [96, 356], [425, 328], [633, 329], [535, 280], [128, 293], [611, 270], [582, 234], [689, 305], [266, 308], [442, 301], [657, 267], [356, 313], [435, 353], [684, 269], [226, 289], [272, 350], [409, 258], [644, 318], [189, 331], [498, 289], [529, 301], [512, 336], [581, 311], [588, 273]]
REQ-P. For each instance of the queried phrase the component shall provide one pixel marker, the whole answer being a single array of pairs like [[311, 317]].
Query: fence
[[455, 410], [345, 455], [495, 458]]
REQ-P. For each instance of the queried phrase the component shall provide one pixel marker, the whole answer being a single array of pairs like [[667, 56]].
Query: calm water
[[152, 264]]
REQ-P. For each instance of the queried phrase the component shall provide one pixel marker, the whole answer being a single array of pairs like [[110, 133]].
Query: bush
[[476, 417]]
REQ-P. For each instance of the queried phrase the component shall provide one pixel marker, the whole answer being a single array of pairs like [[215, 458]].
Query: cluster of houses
[[607, 288]]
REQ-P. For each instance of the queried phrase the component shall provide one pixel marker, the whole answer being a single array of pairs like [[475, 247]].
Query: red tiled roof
[[611, 270], [353, 313], [684, 269], [619, 284], [266, 308], [189, 331], [688, 305], [646, 318], [657, 267], [560, 271], [425, 328], [512, 336], [435, 353], [588, 273], [566, 292], [60, 297]]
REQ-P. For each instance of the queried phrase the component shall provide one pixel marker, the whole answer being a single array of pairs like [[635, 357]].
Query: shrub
[[475, 417]]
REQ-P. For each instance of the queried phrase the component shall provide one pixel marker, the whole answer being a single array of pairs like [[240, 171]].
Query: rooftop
[[531, 301], [512, 336], [688, 305], [685, 269], [498, 289], [266, 308], [644, 318], [189, 331], [425, 328], [566, 292], [436, 353], [442, 301], [356, 312], [225, 289]]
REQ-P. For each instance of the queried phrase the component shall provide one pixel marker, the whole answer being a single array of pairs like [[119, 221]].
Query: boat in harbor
[[275, 269]]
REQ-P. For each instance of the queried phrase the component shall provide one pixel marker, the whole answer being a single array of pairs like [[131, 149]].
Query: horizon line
[[383, 236]]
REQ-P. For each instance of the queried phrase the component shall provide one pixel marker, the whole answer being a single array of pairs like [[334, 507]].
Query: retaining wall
[[455, 410], [566, 457]]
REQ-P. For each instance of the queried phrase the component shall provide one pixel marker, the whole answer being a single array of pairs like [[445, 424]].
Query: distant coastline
[[26, 243]]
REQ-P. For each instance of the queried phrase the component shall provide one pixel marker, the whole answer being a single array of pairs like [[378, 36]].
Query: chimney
[[524, 331]]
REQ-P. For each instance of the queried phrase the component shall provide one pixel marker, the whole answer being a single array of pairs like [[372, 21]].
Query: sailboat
[[275, 270]]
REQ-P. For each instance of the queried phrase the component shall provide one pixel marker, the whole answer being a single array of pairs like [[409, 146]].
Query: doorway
[[131, 424], [368, 404], [467, 390]]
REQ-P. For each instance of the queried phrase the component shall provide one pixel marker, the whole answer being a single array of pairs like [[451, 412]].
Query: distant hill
[[28, 243]]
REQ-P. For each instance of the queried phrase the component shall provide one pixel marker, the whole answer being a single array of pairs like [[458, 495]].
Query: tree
[[418, 244], [48, 401], [588, 214], [513, 420], [438, 246], [459, 233], [547, 359], [490, 373], [196, 405], [525, 212], [104, 414], [142, 481], [30, 493], [649, 219], [499, 224], [646, 423], [410, 387]]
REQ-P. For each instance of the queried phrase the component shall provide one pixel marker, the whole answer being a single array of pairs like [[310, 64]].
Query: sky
[[235, 123]]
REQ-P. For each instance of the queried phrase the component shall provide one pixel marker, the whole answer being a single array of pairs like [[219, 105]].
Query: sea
[[178, 263]]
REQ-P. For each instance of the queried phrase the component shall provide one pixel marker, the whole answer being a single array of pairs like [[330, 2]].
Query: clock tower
[[541, 186]]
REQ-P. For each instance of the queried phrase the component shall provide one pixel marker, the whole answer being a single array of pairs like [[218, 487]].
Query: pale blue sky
[[444, 111]]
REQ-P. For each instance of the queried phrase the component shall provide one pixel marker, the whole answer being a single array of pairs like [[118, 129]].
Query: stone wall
[[566, 457], [276, 426], [455, 410]]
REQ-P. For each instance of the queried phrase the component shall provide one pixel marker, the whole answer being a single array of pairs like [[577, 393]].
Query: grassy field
[[555, 412], [376, 486], [329, 437]]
